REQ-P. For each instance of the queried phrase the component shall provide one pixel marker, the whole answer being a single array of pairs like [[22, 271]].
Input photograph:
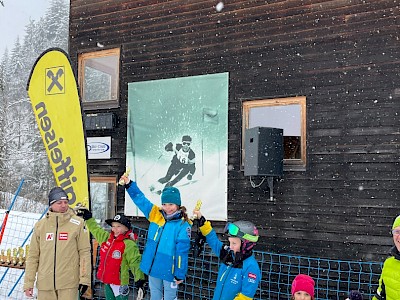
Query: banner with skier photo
[[55, 101], [178, 136]]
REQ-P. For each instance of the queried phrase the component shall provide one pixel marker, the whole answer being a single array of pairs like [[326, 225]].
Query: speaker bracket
[[270, 181]]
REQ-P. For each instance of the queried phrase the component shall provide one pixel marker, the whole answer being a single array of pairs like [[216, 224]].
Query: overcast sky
[[14, 16]]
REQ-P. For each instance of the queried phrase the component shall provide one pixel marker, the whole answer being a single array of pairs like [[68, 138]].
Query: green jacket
[[389, 282], [59, 252], [131, 256]]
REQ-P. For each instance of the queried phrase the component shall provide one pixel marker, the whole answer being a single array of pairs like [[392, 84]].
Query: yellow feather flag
[[55, 101]]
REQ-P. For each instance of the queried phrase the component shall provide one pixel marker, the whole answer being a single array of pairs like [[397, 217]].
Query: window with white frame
[[98, 78], [286, 113]]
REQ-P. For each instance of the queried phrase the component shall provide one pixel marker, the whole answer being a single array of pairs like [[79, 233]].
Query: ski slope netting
[[333, 278], [17, 233]]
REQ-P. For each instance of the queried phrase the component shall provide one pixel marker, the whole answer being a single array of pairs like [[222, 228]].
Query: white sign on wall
[[99, 147]]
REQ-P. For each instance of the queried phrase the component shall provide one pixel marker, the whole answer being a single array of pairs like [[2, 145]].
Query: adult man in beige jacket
[[59, 253]]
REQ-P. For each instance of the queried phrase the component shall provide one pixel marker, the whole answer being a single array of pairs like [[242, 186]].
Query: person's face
[[118, 228], [396, 237], [60, 206], [186, 146], [170, 208], [300, 295], [234, 244]]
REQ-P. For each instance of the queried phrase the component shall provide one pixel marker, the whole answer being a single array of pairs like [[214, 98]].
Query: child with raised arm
[[118, 254], [239, 273], [165, 256]]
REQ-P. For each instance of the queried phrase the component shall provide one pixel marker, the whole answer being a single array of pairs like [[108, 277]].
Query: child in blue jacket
[[239, 274], [165, 256]]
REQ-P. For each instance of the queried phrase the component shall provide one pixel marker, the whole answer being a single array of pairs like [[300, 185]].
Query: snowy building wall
[[343, 56]]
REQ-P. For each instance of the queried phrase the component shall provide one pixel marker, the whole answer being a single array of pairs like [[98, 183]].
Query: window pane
[[286, 117], [102, 196], [99, 78], [97, 85]]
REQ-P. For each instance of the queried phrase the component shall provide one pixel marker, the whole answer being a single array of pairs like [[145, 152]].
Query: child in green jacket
[[389, 282], [118, 254]]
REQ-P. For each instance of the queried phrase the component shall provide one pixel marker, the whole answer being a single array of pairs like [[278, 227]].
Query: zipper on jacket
[[105, 259], [222, 278], [158, 243], [55, 253]]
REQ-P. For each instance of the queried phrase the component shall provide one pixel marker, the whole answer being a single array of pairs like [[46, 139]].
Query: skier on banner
[[182, 164]]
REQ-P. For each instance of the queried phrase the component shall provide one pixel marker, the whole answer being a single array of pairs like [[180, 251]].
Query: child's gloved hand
[[140, 285], [84, 213]]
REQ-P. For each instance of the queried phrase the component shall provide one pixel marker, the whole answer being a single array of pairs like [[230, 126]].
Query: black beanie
[[56, 194]]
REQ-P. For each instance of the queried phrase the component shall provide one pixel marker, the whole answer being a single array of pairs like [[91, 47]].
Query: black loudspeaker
[[263, 151]]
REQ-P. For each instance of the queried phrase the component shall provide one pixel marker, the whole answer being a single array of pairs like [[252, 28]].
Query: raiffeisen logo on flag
[[55, 80], [55, 100]]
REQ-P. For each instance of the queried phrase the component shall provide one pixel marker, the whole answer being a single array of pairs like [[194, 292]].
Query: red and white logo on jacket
[[49, 236], [63, 236]]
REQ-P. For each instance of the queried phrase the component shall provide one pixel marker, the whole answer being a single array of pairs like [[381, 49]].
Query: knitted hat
[[303, 283], [355, 295], [396, 222], [56, 194], [171, 194], [120, 218]]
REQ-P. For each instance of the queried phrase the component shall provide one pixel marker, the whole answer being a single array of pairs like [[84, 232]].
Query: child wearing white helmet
[[239, 273]]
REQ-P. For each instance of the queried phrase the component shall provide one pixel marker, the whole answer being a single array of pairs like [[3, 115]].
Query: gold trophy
[[14, 256], [2, 256], [21, 258], [8, 259], [128, 170]]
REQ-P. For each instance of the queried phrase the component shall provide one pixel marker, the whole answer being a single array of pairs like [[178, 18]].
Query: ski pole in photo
[[3, 226], [152, 166]]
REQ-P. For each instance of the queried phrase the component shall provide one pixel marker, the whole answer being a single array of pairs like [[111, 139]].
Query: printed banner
[[178, 136], [55, 101]]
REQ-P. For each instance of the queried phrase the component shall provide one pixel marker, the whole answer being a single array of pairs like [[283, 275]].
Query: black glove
[[202, 221], [169, 147], [198, 245], [124, 290], [140, 283], [82, 289], [84, 213]]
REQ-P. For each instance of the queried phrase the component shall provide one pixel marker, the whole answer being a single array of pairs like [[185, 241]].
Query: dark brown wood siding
[[343, 56]]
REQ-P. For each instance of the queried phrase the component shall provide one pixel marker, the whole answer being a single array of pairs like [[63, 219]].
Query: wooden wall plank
[[342, 55]]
